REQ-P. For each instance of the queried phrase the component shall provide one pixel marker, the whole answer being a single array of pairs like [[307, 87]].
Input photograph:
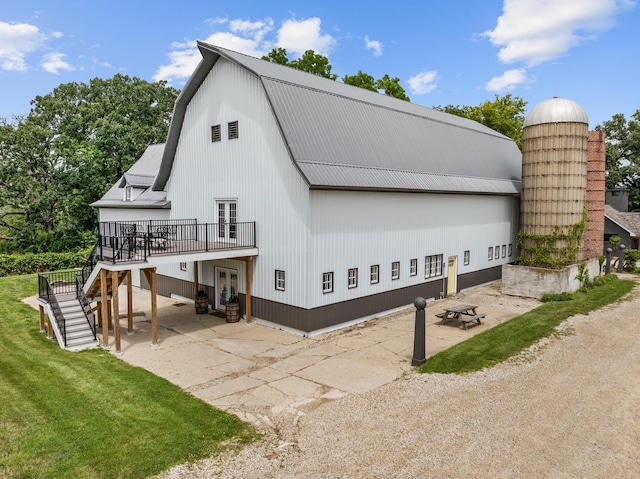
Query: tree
[[314, 63], [361, 80], [623, 155], [72, 146], [391, 87], [505, 115]]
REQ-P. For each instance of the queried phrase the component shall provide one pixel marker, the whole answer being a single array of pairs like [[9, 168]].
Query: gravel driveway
[[569, 407]]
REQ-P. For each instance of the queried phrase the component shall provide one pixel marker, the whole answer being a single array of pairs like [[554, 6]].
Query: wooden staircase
[[93, 286]]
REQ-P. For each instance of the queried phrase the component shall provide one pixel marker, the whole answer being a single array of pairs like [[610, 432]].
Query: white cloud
[[423, 82], [298, 36], [55, 62], [374, 45], [16, 41], [536, 31], [248, 37], [57, 35], [508, 81], [255, 30]]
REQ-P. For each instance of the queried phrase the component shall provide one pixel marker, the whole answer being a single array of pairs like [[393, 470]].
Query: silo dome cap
[[556, 110]]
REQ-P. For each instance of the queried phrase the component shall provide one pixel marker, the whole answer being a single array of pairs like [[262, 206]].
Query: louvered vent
[[233, 130], [216, 133]]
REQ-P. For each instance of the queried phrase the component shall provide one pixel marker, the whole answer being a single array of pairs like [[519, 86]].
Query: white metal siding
[[255, 170], [132, 214], [360, 229]]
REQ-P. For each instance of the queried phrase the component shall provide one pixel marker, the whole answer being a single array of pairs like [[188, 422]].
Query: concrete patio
[[264, 375]]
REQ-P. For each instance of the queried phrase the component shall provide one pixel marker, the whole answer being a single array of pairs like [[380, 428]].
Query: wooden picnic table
[[464, 313]]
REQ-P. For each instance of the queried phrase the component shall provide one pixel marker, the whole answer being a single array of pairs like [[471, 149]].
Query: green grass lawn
[[89, 414], [510, 338]]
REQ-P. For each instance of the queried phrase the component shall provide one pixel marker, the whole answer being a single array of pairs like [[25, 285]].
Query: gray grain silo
[[554, 168]]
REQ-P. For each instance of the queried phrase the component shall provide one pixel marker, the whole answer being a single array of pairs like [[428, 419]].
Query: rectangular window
[[497, 252], [352, 278], [183, 266], [395, 270], [490, 253], [432, 266], [375, 274], [413, 267], [216, 133], [510, 250], [467, 257], [127, 193], [233, 130], [327, 282], [279, 280], [504, 250]]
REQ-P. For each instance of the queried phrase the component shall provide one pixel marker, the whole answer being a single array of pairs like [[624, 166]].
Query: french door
[[227, 218], [226, 286]]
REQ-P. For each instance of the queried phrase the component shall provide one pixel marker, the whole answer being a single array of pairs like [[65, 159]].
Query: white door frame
[[226, 216], [222, 296]]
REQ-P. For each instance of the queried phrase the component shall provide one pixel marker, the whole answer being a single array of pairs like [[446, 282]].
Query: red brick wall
[[594, 234]]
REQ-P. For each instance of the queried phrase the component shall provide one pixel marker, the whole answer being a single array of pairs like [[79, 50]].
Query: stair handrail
[[86, 306], [90, 263], [57, 312]]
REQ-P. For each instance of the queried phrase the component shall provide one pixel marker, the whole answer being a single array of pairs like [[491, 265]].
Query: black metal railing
[[47, 291], [86, 305], [58, 282], [127, 241]]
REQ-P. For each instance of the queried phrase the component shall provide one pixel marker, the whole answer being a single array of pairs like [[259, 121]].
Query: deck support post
[[247, 286], [116, 309], [129, 304], [42, 325], [150, 273], [104, 308], [196, 284]]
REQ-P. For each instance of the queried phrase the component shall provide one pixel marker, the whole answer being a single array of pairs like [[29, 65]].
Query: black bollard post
[[607, 265], [419, 335], [621, 258]]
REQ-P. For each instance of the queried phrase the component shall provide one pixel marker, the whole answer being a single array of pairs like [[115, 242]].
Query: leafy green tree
[[314, 63], [623, 155], [277, 55], [72, 146], [505, 115], [391, 87], [361, 80]]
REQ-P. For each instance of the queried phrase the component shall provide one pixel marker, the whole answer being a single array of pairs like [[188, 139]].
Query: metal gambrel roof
[[140, 175], [341, 136]]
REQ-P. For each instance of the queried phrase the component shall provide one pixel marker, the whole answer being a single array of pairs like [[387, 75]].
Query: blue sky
[[459, 52]]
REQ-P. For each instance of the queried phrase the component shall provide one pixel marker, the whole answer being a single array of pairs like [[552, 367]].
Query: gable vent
[[216, 134], [233, 130]]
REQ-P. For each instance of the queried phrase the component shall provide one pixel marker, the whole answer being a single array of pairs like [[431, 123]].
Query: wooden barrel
[[233, 312], [202, 303]]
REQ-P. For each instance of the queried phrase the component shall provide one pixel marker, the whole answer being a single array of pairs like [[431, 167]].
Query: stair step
[[76, 335], [82, 343]]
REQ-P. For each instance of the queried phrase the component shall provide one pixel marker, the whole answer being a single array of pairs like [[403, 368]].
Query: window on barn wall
[[183, 266], [413, 267], [497, 252], [216, 133], [127, 193], [233, 130], [327, 282], [395, 270], [279, 280], [510, 250], [490, 253], [504, 250], [352, 278], [432, 266], [467, 257], [375, 274]]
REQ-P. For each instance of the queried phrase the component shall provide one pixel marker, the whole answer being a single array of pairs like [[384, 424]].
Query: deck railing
[[128, 241], [46, 291]]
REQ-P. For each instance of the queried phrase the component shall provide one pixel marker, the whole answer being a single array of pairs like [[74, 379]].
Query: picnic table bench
[[464, 313]]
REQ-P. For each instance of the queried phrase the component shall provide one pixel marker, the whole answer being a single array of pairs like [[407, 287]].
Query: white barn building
[[350, 203]]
